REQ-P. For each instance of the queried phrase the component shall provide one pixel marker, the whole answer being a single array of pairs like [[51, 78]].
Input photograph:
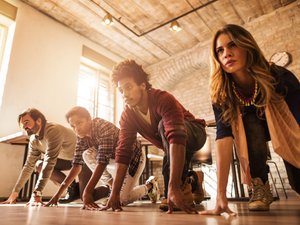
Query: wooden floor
[[143, 212]]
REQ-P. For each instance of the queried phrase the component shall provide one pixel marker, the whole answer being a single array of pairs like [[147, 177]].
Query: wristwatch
[[37, 194]]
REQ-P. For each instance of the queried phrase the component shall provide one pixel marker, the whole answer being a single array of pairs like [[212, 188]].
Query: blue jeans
[[195, 141]]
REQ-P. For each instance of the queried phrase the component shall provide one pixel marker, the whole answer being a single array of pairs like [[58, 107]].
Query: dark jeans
[[61, 165], [195, 141], [84, 177], [58, 177], [258, 151]]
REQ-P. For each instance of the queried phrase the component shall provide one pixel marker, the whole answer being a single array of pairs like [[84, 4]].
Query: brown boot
[[261, 196], [197, 185], [153, 192]]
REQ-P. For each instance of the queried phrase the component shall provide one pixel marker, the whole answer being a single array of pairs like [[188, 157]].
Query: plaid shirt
[[104, 138]]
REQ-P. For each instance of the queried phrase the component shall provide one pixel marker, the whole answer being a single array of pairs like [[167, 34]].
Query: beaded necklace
[[244, 100]]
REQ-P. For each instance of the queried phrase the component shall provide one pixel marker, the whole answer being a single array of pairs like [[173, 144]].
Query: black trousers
[[293, 176], [84, 176], [257, 138], [195, 141]]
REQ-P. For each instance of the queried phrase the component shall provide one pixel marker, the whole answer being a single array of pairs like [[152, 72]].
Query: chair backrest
[[203, 155]]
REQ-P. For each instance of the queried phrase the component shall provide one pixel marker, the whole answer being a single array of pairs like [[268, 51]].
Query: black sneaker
[[72, 194]]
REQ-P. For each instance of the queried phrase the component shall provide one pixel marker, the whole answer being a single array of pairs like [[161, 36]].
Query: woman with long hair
[[254, 101]]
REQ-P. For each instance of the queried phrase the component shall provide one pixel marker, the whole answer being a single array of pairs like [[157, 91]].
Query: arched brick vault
[[167, 73]]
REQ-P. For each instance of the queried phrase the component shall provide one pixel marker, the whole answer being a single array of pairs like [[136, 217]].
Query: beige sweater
[[285, 137], [58, 142]]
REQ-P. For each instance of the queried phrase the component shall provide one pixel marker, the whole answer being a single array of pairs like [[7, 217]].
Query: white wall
[[42, 73], [11, 158], [43, 68]]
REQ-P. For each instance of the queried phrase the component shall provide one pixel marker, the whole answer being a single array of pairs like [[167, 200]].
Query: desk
[[21, 139], [148, 171], [17, 139]]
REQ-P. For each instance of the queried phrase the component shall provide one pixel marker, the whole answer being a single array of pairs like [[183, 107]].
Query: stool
[[270, 161]]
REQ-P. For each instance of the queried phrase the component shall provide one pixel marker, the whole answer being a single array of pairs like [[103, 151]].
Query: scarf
[[285, 137]]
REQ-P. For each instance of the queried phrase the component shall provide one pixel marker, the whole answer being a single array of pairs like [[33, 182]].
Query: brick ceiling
[[141, 28]]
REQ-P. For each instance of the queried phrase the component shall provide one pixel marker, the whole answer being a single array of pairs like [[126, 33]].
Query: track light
[[175, 26], [108, 19]]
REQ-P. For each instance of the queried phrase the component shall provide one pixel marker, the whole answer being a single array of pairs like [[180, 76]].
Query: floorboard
[[143, 212]]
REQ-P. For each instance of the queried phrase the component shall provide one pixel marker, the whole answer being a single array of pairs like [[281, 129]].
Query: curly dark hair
[[129, 68]]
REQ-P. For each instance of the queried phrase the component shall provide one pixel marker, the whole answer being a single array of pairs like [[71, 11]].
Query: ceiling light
[[175, 26], [108, 19]]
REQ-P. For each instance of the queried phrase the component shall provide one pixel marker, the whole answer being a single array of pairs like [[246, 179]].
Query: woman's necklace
[[246, 101]]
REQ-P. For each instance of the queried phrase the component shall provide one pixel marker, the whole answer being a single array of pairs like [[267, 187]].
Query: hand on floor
[[12, 199], [221, 207], [53, 201], [35, 201], [113, 203], [88, 203]]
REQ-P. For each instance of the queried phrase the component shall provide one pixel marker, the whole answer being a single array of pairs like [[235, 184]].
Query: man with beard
[[57, 144]]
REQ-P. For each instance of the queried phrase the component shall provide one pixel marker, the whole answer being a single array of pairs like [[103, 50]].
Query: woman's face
[[232, 58]]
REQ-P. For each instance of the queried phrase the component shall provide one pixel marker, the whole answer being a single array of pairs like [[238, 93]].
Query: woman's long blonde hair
[[258, 67]]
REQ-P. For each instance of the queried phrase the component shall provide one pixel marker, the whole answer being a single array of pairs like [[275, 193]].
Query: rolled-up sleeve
[[106, 143], [81, 146]]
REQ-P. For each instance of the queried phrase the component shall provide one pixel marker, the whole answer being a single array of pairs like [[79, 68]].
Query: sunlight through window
[[7, 29], [95, 91]]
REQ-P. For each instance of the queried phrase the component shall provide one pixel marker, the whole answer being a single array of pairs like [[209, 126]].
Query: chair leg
[[281, 181], [231, 189], [274, 185]]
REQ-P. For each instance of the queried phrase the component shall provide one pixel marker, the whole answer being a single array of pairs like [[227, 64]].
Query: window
[[95, 91], [3, 36], [8, 14]]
